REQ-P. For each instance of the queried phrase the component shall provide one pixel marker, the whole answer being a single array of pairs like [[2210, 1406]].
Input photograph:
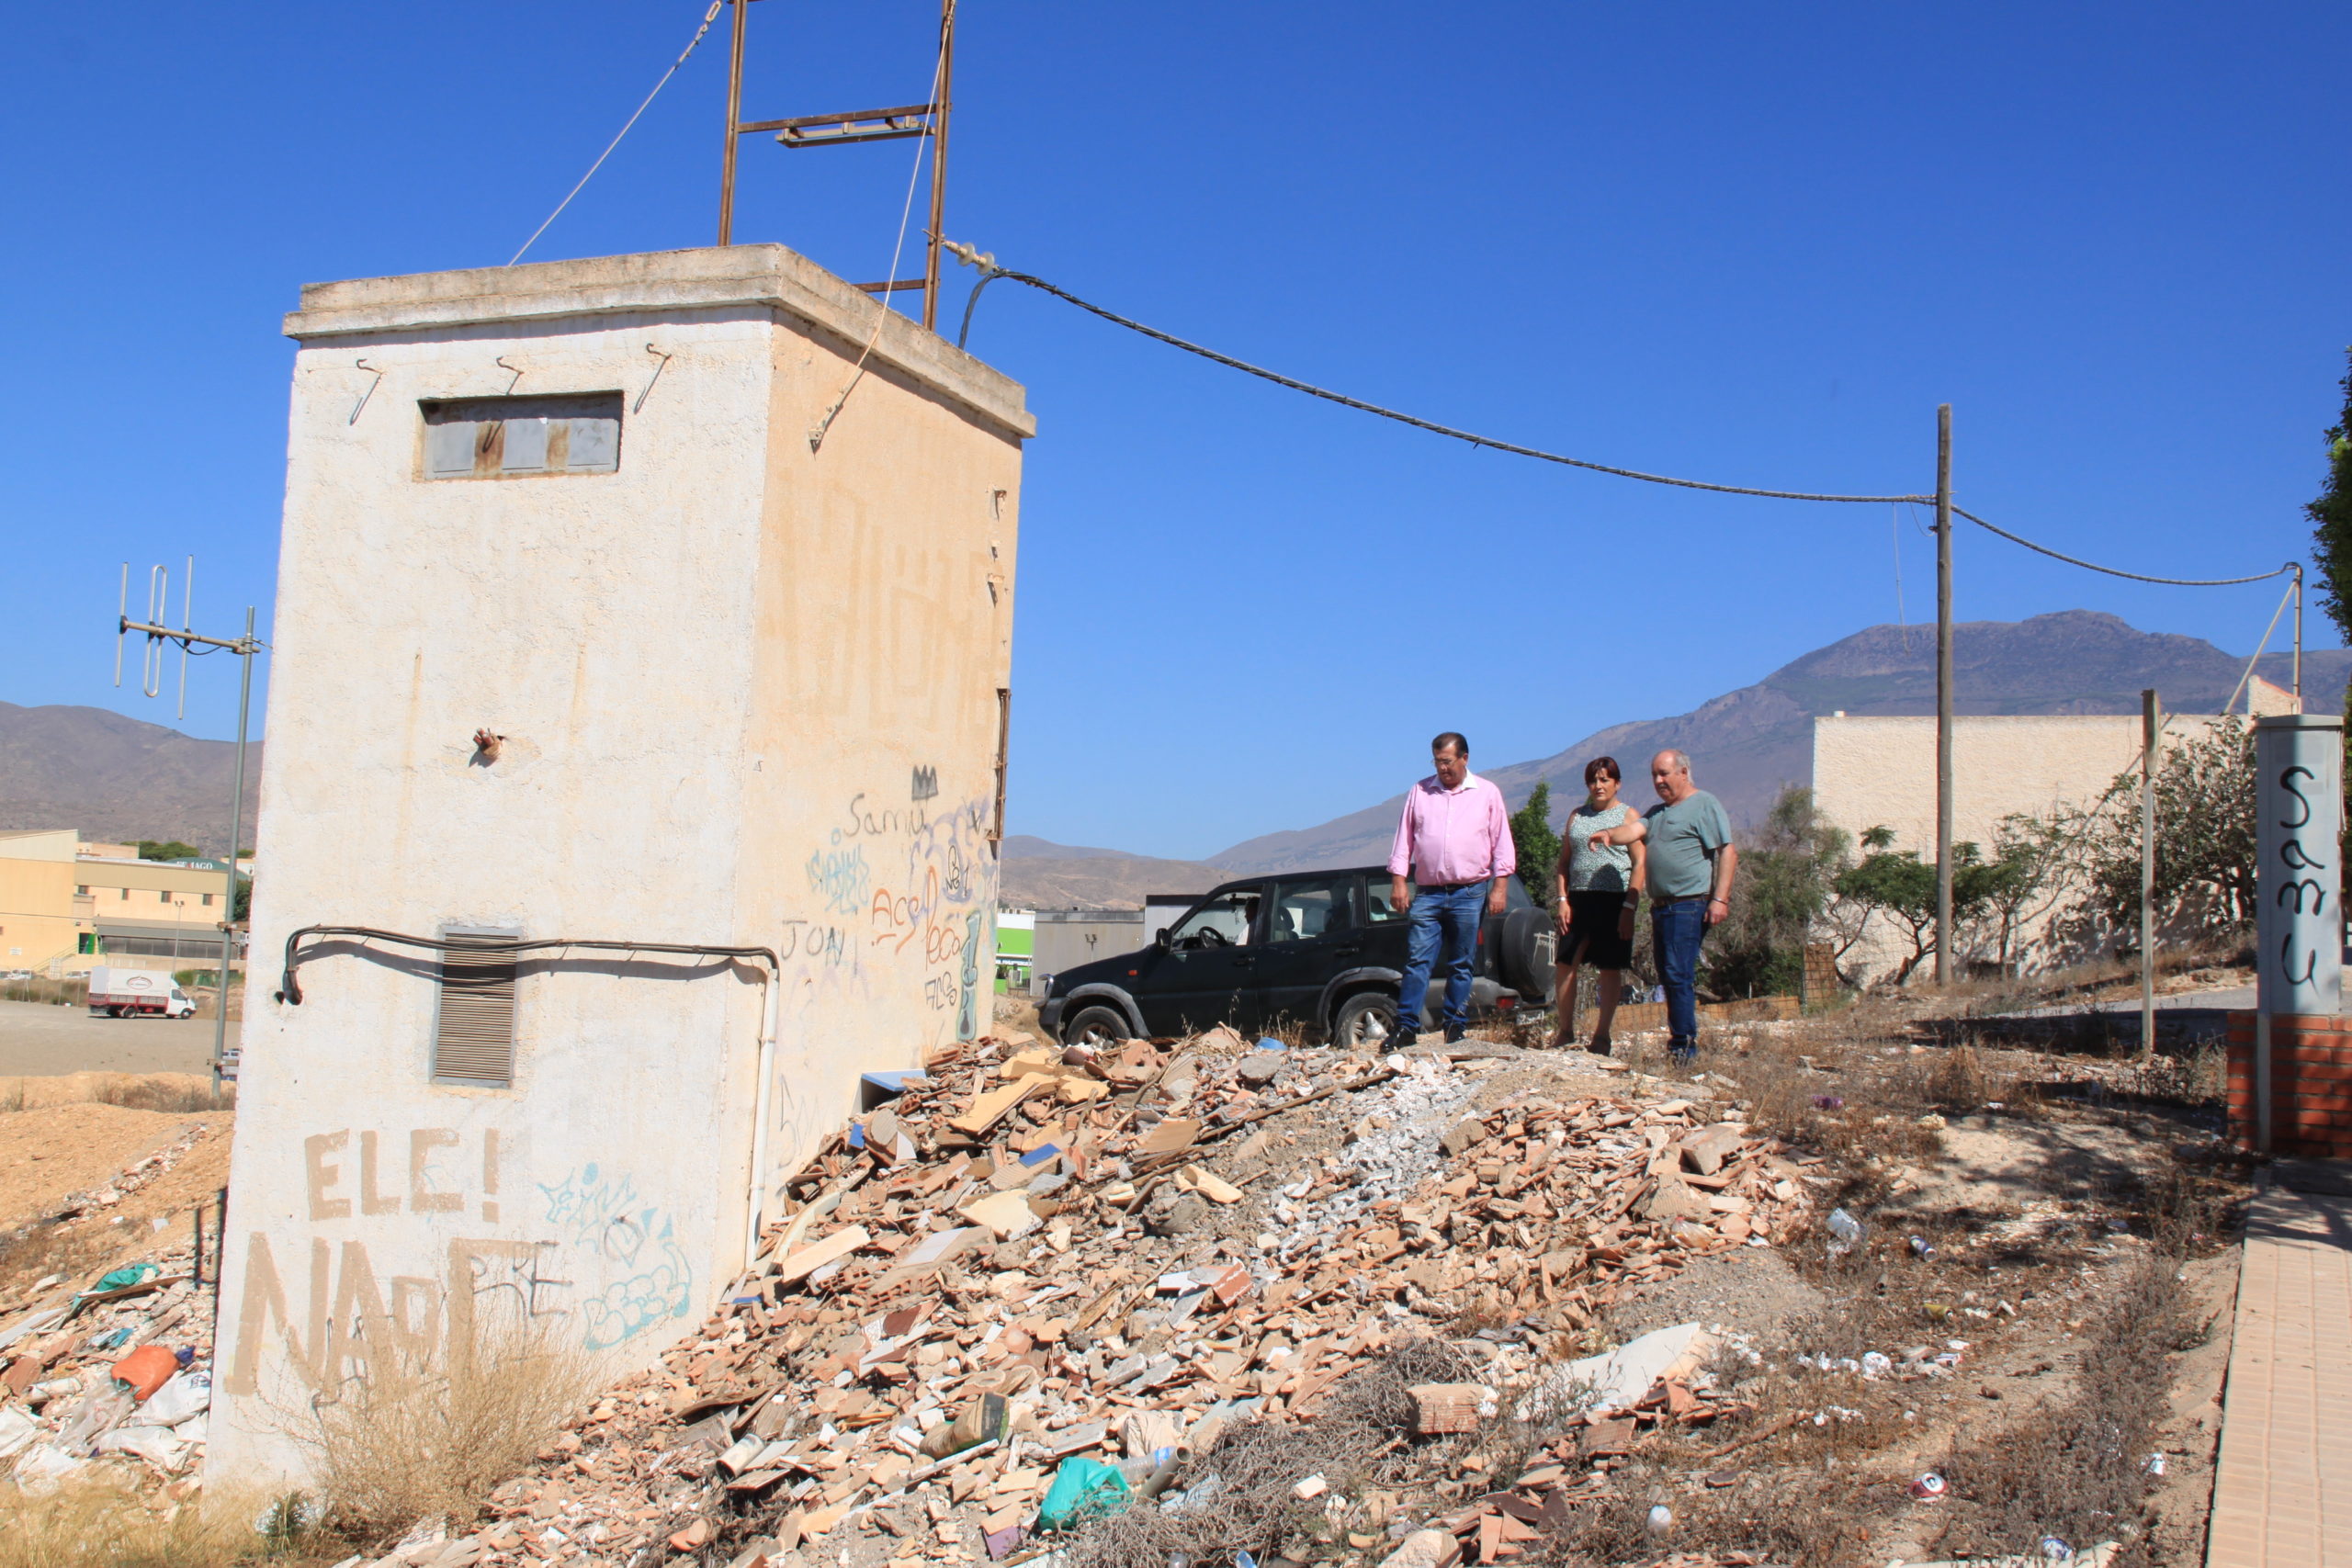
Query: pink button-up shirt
[[1453, 835]]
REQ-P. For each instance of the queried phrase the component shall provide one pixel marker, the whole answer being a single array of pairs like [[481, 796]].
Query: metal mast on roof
[[841, 129]]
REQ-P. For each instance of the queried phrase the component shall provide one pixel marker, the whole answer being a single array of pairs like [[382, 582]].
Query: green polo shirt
[[1682, 837]]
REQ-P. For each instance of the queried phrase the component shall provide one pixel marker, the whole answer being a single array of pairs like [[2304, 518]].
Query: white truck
[[135, 993]]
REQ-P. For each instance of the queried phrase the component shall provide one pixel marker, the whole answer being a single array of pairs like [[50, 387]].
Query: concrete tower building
[[662, 601]]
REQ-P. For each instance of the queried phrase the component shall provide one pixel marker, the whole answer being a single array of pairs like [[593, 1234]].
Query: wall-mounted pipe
[[772, 985]]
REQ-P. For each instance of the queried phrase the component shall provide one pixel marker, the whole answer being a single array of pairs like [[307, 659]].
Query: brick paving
[[2282, 1487]]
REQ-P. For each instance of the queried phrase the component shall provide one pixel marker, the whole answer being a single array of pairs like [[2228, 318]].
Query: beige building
[[1880, 771], [40, 925], [715, 557], [66, 906]]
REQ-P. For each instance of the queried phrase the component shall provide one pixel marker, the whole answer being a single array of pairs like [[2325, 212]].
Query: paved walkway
[[2282, 1486]]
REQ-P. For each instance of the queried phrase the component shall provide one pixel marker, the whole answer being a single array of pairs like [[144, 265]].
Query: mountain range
[[1746, 744], [118, 779]]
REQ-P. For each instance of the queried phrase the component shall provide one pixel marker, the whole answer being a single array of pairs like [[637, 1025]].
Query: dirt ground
[[53, 1154]]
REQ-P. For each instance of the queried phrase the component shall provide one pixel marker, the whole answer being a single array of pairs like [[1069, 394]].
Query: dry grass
[[99, 1525], [2077, 1471], [172, 1093], [411, 1440]]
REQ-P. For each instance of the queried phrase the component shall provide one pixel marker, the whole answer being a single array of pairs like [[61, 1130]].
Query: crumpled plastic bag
[[159, 1446], [18, 1429], [1082, 1489], [185, 1394], [131, 1274], [44, 1467]]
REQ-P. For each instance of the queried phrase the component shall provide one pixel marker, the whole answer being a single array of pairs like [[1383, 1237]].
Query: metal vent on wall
[[474, 1039]]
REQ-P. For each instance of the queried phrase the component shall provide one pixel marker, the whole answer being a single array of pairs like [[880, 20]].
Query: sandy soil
[[60, 1149]]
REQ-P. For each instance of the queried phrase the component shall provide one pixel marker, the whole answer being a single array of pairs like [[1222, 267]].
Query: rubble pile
[[1035, 1272], [110, 1380]]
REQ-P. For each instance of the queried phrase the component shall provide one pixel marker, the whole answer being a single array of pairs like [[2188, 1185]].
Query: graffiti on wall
[[597, 1226], [597, 1213]]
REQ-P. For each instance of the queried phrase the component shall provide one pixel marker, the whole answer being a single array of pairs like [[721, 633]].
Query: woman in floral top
[[1597, 886]]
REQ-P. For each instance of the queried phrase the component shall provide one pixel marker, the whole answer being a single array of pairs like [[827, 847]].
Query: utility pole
[[2147, 873], [1943, 694], [244, 648]]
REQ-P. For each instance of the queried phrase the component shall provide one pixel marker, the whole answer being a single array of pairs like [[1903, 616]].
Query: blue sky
[[1749, 243]]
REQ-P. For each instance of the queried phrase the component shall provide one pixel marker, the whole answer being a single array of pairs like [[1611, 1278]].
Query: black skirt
[[1595, 920]]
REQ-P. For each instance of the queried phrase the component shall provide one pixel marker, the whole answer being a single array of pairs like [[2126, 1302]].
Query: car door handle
[[1243, 960], [1350, 950]]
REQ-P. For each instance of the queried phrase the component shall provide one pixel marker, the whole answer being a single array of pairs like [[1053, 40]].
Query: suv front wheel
[[1095, 1026], [1366, 1021]]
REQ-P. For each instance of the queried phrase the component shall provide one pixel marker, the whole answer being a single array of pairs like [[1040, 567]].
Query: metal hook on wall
[[370, 392], [517, 370], [665, 359]]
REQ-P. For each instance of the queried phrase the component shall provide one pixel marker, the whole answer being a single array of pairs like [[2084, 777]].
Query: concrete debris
[[79, 1361], [1035, 1259]]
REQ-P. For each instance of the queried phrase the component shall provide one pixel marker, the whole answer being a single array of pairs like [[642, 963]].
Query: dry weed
[[2078, 1472], [99, 1525], [410, 1441], [168, 1094]]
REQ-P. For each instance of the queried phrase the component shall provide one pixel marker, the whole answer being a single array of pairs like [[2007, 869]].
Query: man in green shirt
[[1692, 862]]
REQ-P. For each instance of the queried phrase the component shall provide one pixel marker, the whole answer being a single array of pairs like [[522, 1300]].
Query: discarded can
[[1919, 1247], [1929, 1487], [1827, 1103], [1661, 1520], [2056, 1551]]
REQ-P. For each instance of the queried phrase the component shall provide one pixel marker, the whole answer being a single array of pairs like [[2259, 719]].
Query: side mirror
[[1159, 937]]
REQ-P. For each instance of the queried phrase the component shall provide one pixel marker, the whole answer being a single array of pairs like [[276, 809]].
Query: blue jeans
[[1675, 931], [1453, 913]]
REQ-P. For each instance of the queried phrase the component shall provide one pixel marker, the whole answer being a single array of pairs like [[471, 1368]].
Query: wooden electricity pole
[[1943, 694]]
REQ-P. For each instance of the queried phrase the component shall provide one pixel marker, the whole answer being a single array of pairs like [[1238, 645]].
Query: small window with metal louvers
[[489, 438], [474, 1037]]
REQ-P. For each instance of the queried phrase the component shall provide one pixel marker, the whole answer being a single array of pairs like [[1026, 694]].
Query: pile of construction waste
[[109, 1378], [1038, 1286]]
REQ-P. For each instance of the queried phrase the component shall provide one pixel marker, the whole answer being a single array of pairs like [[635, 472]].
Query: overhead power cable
[[2135, 576], [707, 18], [991, 273]]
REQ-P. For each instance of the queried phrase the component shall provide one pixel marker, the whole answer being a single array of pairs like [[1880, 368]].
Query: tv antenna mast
[[159, 598], [843, 129]]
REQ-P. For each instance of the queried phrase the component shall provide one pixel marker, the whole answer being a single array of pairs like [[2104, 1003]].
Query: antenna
[[159, 599]]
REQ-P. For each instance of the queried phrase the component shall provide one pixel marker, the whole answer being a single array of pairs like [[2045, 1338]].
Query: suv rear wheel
[[1095, 1026], [1366, 1021]]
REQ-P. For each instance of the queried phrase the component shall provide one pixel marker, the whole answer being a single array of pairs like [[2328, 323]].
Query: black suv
[[1322, 948]]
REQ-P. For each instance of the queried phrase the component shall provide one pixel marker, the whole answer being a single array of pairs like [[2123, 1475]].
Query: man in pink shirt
[[1455, 842]]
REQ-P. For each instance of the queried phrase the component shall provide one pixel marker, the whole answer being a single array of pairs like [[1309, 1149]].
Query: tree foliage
[[1789, 866], [167, 849], [1537, 845], [2331, 517], [2205, 828], [1900, 887]]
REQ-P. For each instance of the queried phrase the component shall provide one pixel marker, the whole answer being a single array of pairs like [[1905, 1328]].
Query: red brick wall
[[2311, 1084]]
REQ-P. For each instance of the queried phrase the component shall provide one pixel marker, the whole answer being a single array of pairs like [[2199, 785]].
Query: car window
[[1305, 910], [1375, 899], [1222, 921]]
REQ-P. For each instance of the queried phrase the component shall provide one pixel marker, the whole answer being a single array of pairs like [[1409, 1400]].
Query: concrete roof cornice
[[653, 282]]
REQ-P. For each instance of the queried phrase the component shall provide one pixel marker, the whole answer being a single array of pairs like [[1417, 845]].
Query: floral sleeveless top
[[1598, 868]]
